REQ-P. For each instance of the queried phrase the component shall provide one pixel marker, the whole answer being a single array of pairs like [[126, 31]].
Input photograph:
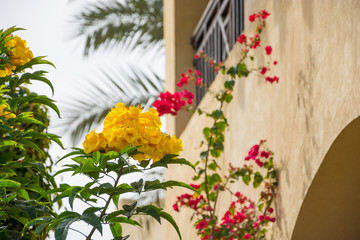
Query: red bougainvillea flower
[[183, 80], [265, 154], [255, 42], [247, 236], [264, 14], [275, 62], [169, 103], [253, 153], [268, 50], [263, 70], [202, 224], [198, 81], [176, 207], [188, 95], [271, 80], [242, 39], [252, 17]]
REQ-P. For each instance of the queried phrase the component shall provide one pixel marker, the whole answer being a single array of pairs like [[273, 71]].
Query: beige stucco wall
[[317, 46]]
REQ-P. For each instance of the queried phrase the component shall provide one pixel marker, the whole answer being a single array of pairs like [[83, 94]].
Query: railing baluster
[[216, 34]]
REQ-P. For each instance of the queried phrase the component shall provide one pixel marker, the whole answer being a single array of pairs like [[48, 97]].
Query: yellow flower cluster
[[7, 115], [125, 126], [19, 55]]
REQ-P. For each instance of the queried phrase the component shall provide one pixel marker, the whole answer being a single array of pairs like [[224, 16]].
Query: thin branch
[[77, 231]]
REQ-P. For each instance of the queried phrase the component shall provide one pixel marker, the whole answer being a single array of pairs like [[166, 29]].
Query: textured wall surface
[[317, 46]]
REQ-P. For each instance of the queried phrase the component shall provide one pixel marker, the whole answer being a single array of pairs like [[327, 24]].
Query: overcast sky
[[49, 32]]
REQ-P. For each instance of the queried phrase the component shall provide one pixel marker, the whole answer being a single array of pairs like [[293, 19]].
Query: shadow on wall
[[331, 209]]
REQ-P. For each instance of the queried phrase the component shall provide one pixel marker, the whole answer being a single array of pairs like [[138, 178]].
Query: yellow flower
[[94, 142], [125, 126], [175, 145], [19, 55], [7, 115], [131, 135]]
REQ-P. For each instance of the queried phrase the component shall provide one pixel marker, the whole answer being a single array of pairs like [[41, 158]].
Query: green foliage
[[24, 175], [98, 166]]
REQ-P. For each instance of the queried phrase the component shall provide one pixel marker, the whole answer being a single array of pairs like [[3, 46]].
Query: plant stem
[[211, 210], [106, 206]]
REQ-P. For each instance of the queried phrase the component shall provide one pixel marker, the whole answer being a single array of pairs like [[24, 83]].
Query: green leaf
[[242, 70], [168, 217], [24, 194], [116, 229], [258, 178], [144, 163], [206, 132], [129, 209], [9, 183], [170, 159], [215, 153], [124, 220], [217, 114], [7, 198], [78, 152], [5, 127], [43, 221], [27, 208], [204, 154], [96, 156], [261, 206], [38, 75], [130, 150], [272, 174], [246, 179], [40, 227], [31, 145], [46, 101], [151, 211], [62, 229], [72, 195], [92, 219], [232, 71], [212, 166], [229, 85], [228, 98]]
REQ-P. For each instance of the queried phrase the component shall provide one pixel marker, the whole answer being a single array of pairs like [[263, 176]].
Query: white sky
[[49, 33]]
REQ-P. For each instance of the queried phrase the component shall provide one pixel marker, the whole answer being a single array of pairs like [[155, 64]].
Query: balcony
[[215, 34]]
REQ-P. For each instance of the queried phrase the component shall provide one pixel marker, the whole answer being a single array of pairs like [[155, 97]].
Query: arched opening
[[331, 209]]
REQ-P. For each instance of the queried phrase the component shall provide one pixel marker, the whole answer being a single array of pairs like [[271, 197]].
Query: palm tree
[[127, 24], [130, 23]]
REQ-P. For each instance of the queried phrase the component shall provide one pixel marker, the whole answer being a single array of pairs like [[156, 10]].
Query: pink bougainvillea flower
[[268, 50]]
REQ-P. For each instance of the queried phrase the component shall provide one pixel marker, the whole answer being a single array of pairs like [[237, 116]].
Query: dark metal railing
[[216, 33]]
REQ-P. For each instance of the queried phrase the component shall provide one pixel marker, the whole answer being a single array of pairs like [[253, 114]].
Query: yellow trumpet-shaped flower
[[20, 54], [125, 126]]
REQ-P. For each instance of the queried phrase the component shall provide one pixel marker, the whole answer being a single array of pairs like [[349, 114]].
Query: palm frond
[[88, 109], [129, 23]]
